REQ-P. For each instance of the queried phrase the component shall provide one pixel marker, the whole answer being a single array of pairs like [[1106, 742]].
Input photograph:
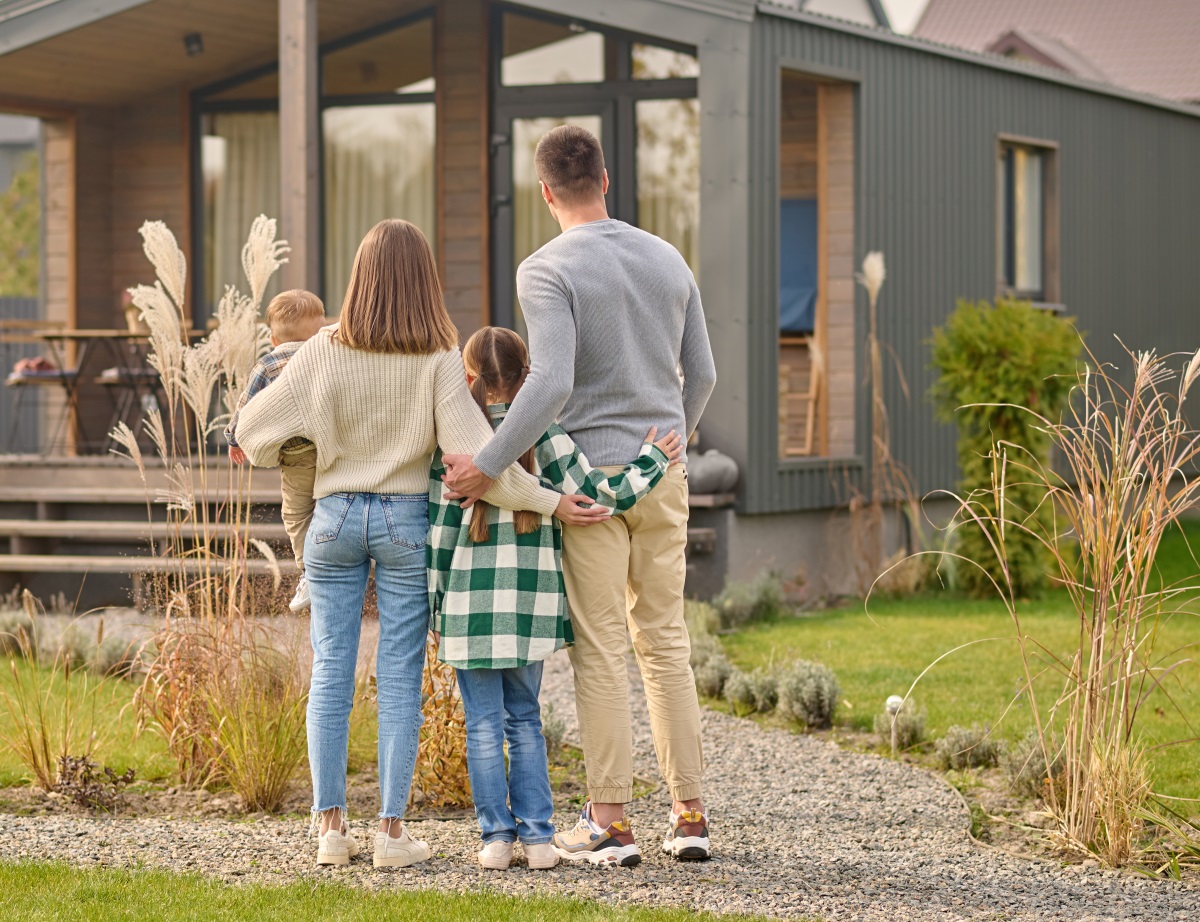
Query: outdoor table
[[131, 384]]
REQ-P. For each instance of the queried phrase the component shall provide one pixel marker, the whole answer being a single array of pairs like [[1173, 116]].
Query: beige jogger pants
[[628, 573], [298, 473]]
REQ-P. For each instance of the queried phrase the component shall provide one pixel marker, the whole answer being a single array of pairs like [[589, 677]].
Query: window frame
[[1050, 294], [201, 104]]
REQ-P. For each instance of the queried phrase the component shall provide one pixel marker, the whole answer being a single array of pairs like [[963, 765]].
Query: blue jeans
[[348, 531], [502, 704]]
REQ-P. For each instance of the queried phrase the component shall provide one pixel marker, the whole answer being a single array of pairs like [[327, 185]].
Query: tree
[[20, 232]]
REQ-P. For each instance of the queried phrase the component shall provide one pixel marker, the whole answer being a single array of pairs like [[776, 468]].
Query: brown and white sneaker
[[588, 842], [687, 839]]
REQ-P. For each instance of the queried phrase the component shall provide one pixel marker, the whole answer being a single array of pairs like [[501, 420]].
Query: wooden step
[[123, 532], [114, 495], [80, 563]]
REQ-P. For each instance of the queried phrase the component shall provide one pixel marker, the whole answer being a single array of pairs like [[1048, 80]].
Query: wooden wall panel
[[149, 182], [462, 143]]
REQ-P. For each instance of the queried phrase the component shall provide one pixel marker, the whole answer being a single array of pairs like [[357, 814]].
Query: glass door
[[521, 222]]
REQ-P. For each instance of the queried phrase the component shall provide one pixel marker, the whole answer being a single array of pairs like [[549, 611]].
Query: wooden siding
[[462, 143]]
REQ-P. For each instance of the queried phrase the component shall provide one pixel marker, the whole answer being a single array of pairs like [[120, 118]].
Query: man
[[614, 317]]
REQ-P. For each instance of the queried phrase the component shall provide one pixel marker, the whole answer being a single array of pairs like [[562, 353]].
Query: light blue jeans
[[502, 704], [348, 531]]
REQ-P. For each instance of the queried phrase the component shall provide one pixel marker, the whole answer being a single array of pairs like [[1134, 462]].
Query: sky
[[904, 13]]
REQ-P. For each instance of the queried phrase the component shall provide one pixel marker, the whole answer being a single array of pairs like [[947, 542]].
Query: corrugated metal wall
[[926, 186]]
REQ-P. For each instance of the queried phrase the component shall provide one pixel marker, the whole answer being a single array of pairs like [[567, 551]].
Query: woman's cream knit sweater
[[376, 419]]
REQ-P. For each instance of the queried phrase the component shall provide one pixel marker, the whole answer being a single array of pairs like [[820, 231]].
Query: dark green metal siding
[[926, 132]]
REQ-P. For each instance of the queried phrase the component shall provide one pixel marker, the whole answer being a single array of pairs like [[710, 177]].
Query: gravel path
[[800, 827]]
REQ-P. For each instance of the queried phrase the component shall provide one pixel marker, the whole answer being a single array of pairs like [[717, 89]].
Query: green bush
[[809, 694], [739, 692], [910, 726], [968, 747], [704, 648], [743, 602], [18, 632], [994, 364], [712, 675], [1024, 765], [701, 618]]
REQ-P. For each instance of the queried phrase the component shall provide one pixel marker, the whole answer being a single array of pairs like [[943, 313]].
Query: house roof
[[991, 60], [1148, 46]]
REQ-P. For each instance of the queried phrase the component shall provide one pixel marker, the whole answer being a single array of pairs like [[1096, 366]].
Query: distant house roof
[[1149, 46]]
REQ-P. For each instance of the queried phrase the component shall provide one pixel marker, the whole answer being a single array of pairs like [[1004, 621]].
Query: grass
[[56, 891], [882, 653]]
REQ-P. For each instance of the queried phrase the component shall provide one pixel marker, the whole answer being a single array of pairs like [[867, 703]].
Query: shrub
[[554, 729], [765, 686], [809, 694], [712, 675], [903, 731], [701, 618], [997, 366], [739, 691], [51, 713], [18, 631], [968, 747], [74, 647], [1024, 766], [745, 602], [704, 646], [256, 699], [116, 656], [88, 786]]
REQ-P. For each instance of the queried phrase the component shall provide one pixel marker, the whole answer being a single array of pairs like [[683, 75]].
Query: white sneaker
[[401, 851], [301, 600], [336, 847], [540, 857], [496, 856]]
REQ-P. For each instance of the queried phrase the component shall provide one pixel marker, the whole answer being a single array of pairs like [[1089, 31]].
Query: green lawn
[[66, 894], [882, 652]]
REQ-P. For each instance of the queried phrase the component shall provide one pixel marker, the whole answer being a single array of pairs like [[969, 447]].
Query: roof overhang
[[27, 22]]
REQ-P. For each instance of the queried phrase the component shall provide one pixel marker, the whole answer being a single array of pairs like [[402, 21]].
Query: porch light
[[193, 44]]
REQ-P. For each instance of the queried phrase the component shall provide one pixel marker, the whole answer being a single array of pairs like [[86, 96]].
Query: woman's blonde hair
[[497, 362], [394, 301]]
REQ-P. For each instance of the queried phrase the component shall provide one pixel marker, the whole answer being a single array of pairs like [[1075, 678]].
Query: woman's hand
[[579, 510], [670, 444]]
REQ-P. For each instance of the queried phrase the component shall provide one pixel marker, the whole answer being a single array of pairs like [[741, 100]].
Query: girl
[[497, 599]]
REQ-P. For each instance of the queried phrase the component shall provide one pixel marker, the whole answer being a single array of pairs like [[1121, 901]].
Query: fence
[[19, 428]]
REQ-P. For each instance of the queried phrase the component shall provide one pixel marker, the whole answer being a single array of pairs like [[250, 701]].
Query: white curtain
[[240, 155], [668, 174], [379, 163]]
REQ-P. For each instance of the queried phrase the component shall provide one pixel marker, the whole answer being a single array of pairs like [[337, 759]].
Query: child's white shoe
[[301, 600], [541, 857], [399, 852], [496, 856]]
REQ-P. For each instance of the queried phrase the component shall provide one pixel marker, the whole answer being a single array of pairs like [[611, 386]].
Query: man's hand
[[236, 455], [670, 444], [466, 481], [580, 510]]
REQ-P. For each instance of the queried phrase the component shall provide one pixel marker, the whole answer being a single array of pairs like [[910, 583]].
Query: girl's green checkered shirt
[[501, 603]]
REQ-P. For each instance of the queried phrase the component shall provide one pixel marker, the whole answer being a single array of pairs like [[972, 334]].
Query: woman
[[377, 394]]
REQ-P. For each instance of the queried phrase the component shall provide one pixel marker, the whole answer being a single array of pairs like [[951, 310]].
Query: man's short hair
[[570, 161], [294, 315]]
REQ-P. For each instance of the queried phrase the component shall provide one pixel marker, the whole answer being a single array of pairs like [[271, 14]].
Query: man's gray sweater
[[614, 316]]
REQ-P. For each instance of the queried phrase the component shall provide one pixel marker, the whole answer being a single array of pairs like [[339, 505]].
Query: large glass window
[[240, 165], [540, 51], [379, 163], [377, 132], [643, 109], [668, 173]]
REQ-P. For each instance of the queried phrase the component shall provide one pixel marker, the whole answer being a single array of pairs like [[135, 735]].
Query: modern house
[[773, 145]]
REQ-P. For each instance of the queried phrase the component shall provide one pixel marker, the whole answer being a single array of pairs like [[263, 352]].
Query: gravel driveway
[[800, 828]]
